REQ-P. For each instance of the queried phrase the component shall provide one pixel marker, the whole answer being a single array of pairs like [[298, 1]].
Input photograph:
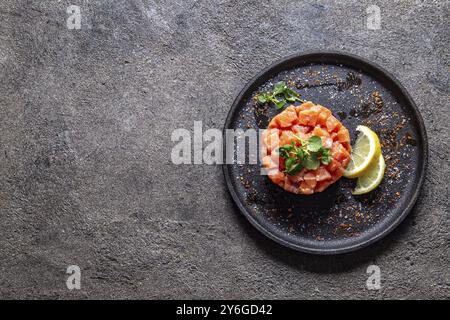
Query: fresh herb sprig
[[308, 155], [280, 96]]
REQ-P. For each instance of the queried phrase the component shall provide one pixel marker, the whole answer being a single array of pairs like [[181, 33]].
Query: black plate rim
[[421, 129]]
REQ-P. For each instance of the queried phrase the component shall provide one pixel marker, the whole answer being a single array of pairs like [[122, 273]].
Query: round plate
[[334, 221]]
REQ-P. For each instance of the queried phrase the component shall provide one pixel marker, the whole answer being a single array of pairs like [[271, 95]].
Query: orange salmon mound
[[306, 120]]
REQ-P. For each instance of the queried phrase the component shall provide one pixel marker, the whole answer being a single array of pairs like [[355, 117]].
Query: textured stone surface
[[85, 123]]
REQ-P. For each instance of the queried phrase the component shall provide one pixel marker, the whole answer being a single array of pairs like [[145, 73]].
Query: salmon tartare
[[285, 142]]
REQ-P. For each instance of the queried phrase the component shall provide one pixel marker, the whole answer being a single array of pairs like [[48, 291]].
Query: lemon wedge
[[365, 153], [372, 178]]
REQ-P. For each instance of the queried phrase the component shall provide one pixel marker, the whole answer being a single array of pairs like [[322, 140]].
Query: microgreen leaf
[[326, 156], [314, 144], [262, 98], [284, 151], [279, 103], [290, 99], [311, 162], [279, 88], [301, 154], [280, 95], [294, 169], [291, 92], [309, 154], [289, 162]]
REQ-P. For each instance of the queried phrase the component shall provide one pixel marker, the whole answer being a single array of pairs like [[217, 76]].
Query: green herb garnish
[[308, 155], [326, 156], [280, 95]]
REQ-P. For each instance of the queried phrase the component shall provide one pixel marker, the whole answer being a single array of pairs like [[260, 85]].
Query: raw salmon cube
[[287, 137], [322, 174], [298, 177], [343, 135], [290, 186], [310, 179], [298, 128], [333, 124], [304, 106], [333, 165], [272, 140], [276, 176], [318, 131], [286, 118], [305, 188], [308, 117]]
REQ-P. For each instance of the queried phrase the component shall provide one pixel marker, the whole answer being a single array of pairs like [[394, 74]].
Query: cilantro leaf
[[290, 99], [311, 162], [289, 162], [291, 92], [279, 104], [294, 169], [326, 156], [280, 95], [309, 154], [279, 88], [263, 98], [314, 144], [284, 151], [301, 154]]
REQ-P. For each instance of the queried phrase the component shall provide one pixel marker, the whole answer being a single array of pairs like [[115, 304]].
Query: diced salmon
[[304, 106], [285, 119], [268, 163], [272, 140], [276, 176], [298, 177], [339, 153], [345, 161], [287, 137], [322, 174], [327, 142], [310, 179], [317, 108], [290, 186], [269, 134], [323, 117], [264, 135], [325, 136], [343, 135], [276, 160], [304, 136], [318, 131], [337, 174], [308, 117], [347, 146], [305, 188], [305, 121], [298, 128], [333, 165], [272, 124], [333, 124], [334, 136]]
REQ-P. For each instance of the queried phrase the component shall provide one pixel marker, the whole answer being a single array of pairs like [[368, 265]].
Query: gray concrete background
[[85, 123]]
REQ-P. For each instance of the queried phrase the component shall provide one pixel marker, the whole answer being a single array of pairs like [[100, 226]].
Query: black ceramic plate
[[334, 221]]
